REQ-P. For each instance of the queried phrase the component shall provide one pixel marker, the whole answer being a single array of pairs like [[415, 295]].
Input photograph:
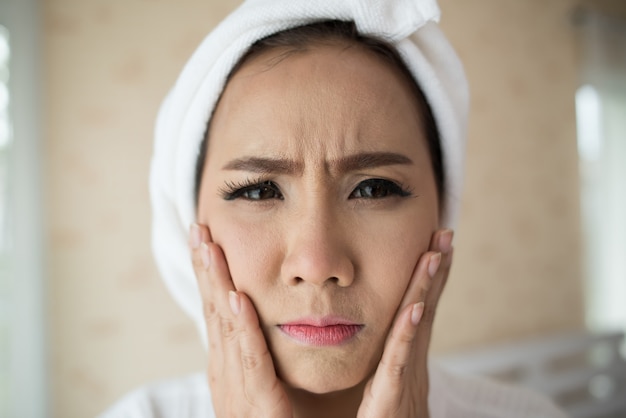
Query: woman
[[317, 149]]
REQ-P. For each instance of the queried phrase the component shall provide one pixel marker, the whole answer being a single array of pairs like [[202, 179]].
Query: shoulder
[[186, 397], [456, 396]]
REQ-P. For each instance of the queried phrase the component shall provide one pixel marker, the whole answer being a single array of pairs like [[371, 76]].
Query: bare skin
[[318, 201]]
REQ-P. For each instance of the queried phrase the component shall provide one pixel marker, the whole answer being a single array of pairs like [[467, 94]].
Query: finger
[[434, 295], [441, 278], [199, 236], [220, 282], [447, 249], [422, 278], [389, 379], [442, 242], [259, 376], [214, 282], [223, 329], [196, 238]]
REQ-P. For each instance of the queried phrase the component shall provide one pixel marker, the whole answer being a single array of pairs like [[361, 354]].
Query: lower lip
[[321, 336]]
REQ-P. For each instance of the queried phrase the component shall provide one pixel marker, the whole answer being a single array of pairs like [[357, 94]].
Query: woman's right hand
[[241, 372]]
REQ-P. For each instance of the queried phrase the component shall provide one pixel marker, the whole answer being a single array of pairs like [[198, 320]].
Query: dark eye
[[378, 189], [260, 191]]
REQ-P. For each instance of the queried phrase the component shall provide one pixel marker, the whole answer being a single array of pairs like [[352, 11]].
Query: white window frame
[[601, 108], [27, 358]]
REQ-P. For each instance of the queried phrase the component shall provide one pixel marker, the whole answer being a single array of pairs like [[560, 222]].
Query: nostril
[[334, 280]]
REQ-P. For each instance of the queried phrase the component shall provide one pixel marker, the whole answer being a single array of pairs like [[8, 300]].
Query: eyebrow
[[346, 164], [370, 160], [264, 165]]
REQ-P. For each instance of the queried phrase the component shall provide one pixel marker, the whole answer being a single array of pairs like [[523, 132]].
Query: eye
[[255, 192], [378, 189]]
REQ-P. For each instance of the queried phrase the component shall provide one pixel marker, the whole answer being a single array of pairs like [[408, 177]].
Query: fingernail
[[206, 257], [195, 237], [445, 241], [416, 313], [433, 264], [233, 299]]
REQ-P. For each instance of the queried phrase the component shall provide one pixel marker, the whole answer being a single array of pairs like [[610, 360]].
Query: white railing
[[583, 373]]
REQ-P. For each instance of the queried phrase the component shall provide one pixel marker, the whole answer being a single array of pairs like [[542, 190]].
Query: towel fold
[[408, 24]]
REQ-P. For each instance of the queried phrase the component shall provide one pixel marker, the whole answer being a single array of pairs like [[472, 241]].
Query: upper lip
[[324, 321]]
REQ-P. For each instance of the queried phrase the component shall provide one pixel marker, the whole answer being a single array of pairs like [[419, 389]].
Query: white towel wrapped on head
[[410, 25]]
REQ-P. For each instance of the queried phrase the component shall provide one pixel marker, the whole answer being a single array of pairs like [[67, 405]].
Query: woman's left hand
[[399, 387]]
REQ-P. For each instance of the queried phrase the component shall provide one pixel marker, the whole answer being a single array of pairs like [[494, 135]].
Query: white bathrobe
[[450, 396]]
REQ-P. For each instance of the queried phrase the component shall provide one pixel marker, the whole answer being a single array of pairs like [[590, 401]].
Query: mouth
[[327, 331]]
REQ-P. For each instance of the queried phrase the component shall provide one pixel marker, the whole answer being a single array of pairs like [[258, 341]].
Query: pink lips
[[321, 332]]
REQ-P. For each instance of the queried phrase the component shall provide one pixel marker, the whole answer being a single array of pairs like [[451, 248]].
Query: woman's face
[[318, 187]]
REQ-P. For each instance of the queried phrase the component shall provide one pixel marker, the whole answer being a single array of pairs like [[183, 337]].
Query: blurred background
[[540, 264]]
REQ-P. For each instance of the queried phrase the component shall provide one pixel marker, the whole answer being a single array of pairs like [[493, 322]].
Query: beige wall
[[107, 66], [518, 267]]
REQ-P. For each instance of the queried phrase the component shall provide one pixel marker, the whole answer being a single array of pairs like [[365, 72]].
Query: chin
[[321, 385], [324, 375]]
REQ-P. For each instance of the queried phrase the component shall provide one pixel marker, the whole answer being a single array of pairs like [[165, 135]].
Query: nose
[[317, 252]]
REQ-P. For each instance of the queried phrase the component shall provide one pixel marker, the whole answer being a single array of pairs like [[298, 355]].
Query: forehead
[[335, 99]]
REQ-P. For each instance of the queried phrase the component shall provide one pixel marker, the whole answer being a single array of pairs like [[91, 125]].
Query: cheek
[[389, 252], [251, 250]]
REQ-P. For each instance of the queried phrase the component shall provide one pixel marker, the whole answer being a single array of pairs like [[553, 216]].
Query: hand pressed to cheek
[[215, 285], [241, 372], [400, 385]]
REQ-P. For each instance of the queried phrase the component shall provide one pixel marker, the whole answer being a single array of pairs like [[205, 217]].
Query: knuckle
[[227, 328], [196, 262], [395, 368], [405, 337], [396, 371], [208, 307], [250, 361]]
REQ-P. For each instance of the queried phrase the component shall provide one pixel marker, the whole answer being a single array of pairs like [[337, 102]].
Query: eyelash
[[238, 190], [390, 188]]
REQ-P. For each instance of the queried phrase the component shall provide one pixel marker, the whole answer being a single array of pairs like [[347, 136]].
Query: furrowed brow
[[370, 160], [264, 165]]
